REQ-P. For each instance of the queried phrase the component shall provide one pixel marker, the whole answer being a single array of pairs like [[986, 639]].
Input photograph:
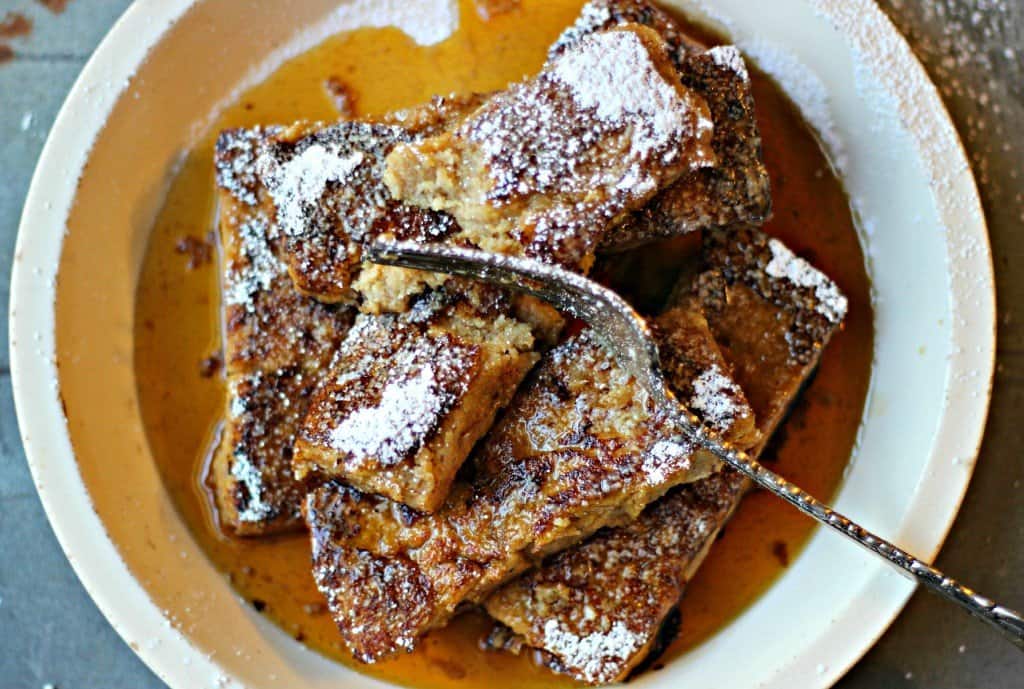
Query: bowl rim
[[43, 425]]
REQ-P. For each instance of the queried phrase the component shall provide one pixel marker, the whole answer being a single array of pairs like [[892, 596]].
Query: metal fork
[[629, 339]]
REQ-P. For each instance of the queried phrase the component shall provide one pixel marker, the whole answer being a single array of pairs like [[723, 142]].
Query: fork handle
[[1007, 621], [632, 342]]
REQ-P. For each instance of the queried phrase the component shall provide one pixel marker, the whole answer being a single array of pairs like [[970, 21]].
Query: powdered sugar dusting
[[613, 75], [593, 17], [260, 267], [797, 79], [406, 408], [595, 654], [235, 162], [298, 184], [256, 509], [386, 402], [787, 265], [666, 459], [594, 135], [730, 57], [973, 50], [237, 406], [545, 135], [714, 398]]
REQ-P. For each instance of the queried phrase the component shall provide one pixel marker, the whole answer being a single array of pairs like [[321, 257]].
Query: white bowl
[[154, 84]]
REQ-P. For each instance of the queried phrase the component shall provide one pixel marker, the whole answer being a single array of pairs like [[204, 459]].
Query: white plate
[[154, 83]]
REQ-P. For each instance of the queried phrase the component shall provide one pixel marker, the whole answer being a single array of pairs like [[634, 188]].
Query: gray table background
[[50, 631]]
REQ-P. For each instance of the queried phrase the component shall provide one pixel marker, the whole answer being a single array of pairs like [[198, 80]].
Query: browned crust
[[595, 611], [690, 360], [277, 345], [323, 245], [324, 233], [736, 190], [577, 450], [601, 15], [410, 395], [750, 259], [537, 171], [256, 493], [279, 342]]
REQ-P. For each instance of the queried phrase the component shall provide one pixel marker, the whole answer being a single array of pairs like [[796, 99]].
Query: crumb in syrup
[[199, 251], [488, 9], [341, 96], [211, 365], [781, 552]]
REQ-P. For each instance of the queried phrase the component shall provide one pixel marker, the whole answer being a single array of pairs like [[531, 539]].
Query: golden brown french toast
[[492, 335], [601, 15], [734, 191], [547, 167], [409, 395], [277, 346], [325, 185], [595, 611], [577, 450]]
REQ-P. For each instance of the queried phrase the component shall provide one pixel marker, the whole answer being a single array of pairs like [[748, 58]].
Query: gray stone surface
[[51, 633]]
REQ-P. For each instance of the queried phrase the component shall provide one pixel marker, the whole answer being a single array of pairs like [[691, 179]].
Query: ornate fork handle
[[1007, 621], [630, 340]]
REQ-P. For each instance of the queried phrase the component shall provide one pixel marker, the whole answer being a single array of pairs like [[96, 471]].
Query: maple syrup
[[177, 331]]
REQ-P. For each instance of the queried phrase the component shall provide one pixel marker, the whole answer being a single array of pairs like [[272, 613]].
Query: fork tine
[[631, 344], [622, 329]]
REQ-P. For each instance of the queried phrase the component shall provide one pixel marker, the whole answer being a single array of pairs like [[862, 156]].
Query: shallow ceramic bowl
[[154, 84]]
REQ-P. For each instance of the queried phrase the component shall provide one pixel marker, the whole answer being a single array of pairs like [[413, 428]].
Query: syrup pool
[[177, 329]]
